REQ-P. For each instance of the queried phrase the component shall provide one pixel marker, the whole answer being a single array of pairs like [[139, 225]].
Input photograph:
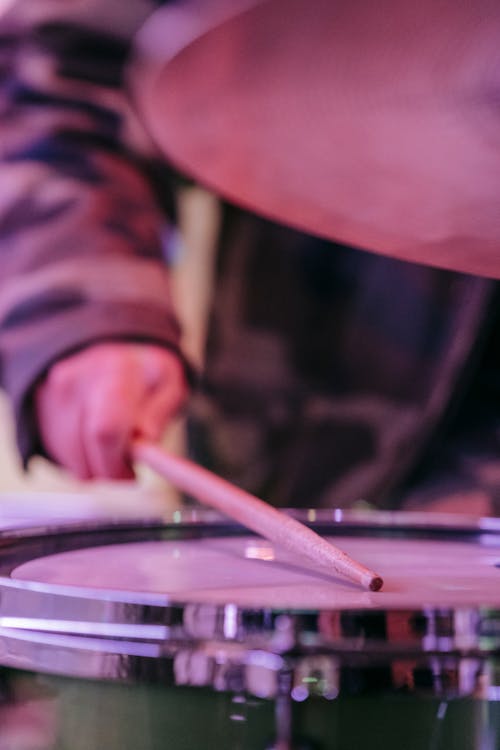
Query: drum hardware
[[286, 734]]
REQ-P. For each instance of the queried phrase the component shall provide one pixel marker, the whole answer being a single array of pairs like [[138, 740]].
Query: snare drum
[[192, 633]]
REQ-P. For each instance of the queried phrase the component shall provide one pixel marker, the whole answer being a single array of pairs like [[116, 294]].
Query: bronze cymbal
[[375, 124]]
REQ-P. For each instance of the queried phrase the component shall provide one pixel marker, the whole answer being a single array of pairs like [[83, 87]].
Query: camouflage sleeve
[[80, 222]]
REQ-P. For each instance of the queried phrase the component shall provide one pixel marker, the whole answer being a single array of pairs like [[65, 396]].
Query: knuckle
[[103, 433], [60, 377]]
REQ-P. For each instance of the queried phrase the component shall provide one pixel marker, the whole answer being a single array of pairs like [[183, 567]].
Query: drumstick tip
[[376, 583]]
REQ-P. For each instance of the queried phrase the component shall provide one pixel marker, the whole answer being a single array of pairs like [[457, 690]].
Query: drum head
[[206, 565]]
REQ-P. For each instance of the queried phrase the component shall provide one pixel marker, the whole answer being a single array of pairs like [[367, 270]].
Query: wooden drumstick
[[253, 513]]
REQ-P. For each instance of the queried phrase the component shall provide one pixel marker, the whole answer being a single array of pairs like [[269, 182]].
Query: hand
[[91, 404]]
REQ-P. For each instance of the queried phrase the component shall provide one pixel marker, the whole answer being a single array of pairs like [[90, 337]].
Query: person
[[89, 340]]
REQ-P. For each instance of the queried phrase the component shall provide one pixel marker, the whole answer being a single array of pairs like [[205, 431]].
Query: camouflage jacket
[[339, 366], [81, 214]]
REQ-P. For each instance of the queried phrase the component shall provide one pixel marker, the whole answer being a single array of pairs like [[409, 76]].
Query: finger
[[60, 428], [76, 459], [108, 424], [160, 365]]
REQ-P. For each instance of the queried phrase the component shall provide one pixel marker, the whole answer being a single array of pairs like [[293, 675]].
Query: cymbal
[[374, 124]]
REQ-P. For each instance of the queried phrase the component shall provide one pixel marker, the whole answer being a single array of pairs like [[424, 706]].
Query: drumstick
[[251, 512]]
